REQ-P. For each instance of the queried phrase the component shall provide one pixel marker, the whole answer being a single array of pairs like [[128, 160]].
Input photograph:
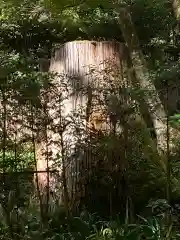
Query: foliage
[[125, 168], [88, 226]]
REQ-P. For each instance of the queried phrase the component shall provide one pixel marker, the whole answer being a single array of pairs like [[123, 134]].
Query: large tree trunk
[[82, 66]]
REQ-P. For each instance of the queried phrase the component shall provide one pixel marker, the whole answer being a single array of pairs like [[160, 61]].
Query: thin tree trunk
[[4, 128], [151, 98], [47, 187], [168, 167], [63, 158], [4, 204], [35, 163]]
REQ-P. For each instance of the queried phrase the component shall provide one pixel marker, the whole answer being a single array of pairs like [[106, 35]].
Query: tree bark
[[176, 9], [151, 98], [83, 64]]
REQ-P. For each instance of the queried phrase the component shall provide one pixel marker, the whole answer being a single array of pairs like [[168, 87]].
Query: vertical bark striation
[[82, 65]]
